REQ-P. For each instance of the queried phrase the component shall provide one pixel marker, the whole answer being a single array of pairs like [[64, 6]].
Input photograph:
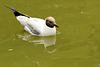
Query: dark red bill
[[56, 25]]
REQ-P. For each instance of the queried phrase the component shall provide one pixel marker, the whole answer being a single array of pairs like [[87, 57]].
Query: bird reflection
[[49, 41]]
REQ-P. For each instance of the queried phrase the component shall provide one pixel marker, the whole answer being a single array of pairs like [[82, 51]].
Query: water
[[77, 43]]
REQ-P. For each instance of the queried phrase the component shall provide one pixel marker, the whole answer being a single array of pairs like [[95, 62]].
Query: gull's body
[[36, 26]]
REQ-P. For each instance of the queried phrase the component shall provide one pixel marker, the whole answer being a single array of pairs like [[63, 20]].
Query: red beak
[[56, 25]]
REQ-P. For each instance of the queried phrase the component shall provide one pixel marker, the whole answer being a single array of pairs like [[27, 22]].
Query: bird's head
[[50, 22]]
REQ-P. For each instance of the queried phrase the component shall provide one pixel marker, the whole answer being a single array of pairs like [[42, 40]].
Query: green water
[[77, 43]]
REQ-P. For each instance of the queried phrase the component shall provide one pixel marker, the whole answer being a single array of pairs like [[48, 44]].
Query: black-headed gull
[[36, 26]]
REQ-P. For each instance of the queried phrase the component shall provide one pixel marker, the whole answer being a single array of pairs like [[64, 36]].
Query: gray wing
[[34, 31]]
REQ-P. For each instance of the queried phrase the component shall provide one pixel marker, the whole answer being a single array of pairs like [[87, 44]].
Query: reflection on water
[[48, 41]]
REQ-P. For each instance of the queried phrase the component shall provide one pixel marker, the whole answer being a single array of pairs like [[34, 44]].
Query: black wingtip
[[16, 13], [13, 9]]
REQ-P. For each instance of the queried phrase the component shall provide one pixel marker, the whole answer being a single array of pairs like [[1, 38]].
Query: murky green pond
[[77, 43]]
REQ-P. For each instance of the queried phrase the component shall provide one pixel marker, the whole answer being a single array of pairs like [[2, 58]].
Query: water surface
[[77, 43]]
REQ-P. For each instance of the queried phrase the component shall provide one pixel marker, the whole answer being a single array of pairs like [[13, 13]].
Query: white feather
[[36, 24]]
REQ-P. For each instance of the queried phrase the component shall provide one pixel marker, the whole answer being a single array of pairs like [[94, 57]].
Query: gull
[[36, 26]]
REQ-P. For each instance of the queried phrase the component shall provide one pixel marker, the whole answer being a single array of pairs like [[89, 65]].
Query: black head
[[50, 22]]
